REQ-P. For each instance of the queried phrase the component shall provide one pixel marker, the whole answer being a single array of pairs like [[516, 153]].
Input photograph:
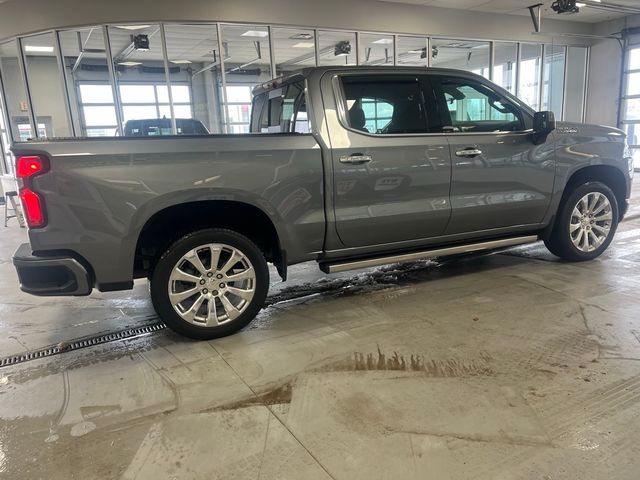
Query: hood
[[587, 129]]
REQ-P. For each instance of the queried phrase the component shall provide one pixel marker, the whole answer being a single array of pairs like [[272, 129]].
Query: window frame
[[445, 117], [342, 109], [428, 86]]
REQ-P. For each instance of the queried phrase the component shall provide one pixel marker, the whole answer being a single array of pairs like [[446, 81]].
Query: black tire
[[559, 241], [162, 273]]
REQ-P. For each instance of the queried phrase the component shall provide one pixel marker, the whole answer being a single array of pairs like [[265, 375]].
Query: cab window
[[468, 106], [281, 110], [384, 104]]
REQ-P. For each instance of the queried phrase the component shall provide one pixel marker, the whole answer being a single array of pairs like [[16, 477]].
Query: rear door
[[499, 177], [390, 175]]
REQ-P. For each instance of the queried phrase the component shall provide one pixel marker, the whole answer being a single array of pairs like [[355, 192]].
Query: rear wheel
[[586, 223], [210, 283]]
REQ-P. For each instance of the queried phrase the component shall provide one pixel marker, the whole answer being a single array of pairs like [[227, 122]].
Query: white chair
[[10, 189]]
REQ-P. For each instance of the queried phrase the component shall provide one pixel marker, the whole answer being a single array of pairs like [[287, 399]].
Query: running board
[[425, 254]]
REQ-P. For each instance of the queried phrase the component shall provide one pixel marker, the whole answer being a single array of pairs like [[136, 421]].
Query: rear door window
[[385, 104]]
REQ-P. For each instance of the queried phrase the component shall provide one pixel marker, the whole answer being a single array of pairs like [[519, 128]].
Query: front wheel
[[210, 283], [586, 223]]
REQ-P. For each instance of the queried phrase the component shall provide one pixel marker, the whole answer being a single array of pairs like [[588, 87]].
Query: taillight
[[28, 167]]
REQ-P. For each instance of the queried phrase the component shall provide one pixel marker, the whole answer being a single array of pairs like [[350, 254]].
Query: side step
[[425, 254]]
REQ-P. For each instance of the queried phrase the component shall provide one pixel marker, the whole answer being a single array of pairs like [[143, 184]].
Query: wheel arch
[[171, 222], [611, 176]]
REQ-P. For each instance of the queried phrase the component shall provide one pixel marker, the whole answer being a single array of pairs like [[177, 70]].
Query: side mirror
[[543, 124]]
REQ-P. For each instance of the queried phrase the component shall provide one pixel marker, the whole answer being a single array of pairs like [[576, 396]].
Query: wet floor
[[510, 365]]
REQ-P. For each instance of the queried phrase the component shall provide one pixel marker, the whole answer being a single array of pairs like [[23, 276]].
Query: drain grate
[[81, 343]]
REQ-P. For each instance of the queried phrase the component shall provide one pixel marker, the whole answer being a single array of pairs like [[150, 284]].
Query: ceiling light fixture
[[130, 64], [304, 45], [384, 41], [132, 27], [255, 33], [301, 36], [181, 62], [37, 49]]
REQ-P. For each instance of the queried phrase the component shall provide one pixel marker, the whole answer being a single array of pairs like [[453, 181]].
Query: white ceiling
[[519, 7]]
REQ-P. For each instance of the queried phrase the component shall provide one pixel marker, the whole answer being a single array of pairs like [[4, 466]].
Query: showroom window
[[48, 97], [553, 79], [17, 105], [201, 75], [530, 68], [238, 108], [505, 64], [337, 48], [89, 86], [5, 153], [194, 61], [630, 104], [462, 55], [139, 70], [139, 101], [247, 63], [575, 84], [413, 51], [294, 48], [376, 49]]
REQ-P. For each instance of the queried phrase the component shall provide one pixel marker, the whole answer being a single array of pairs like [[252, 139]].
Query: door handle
[[356, 159], [469, 152]]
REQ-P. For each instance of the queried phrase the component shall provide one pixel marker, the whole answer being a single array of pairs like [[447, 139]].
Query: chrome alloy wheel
[[212, 284], [590, 222]]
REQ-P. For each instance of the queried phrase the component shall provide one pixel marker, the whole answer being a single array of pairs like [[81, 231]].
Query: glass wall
[[6, 159], [44, 79], [413, 51], [530, 68], [195, 74], [88, 80], [553, 81], [505, 64], [138, 63], [247, 63], [575, 83], [461, 54], [295, 49], [375, 49], [630, 113], [336, 48], [155, 79], [15, 92]]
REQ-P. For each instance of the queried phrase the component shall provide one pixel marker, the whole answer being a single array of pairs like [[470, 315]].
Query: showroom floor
[[511, 365]]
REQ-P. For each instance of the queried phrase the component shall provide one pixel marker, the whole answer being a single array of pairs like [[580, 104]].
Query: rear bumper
[[51, 275]]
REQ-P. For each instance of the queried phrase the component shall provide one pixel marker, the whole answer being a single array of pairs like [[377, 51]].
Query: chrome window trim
[[344, 123]]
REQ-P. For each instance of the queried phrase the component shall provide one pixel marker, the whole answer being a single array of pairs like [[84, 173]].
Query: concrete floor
[[504, 366]]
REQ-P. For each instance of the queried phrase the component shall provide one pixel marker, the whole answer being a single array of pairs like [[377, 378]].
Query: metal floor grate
[[64, 347]]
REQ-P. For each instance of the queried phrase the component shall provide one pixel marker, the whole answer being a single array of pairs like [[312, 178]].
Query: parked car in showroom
[[359, 166]]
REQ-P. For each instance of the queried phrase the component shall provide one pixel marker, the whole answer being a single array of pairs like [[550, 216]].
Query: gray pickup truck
[[349, 167]]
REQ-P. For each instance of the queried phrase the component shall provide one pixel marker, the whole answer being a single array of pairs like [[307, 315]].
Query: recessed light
[[132, 27], [384, 41], [301, 36], [304, 45], [37, 49], [130, 64], [255, 33], [181, 62]]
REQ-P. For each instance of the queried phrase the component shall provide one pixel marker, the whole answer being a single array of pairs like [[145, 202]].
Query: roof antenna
[[536, 16]]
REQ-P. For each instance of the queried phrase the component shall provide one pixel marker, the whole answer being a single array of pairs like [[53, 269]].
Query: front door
[[499, 177], [391, 178]]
